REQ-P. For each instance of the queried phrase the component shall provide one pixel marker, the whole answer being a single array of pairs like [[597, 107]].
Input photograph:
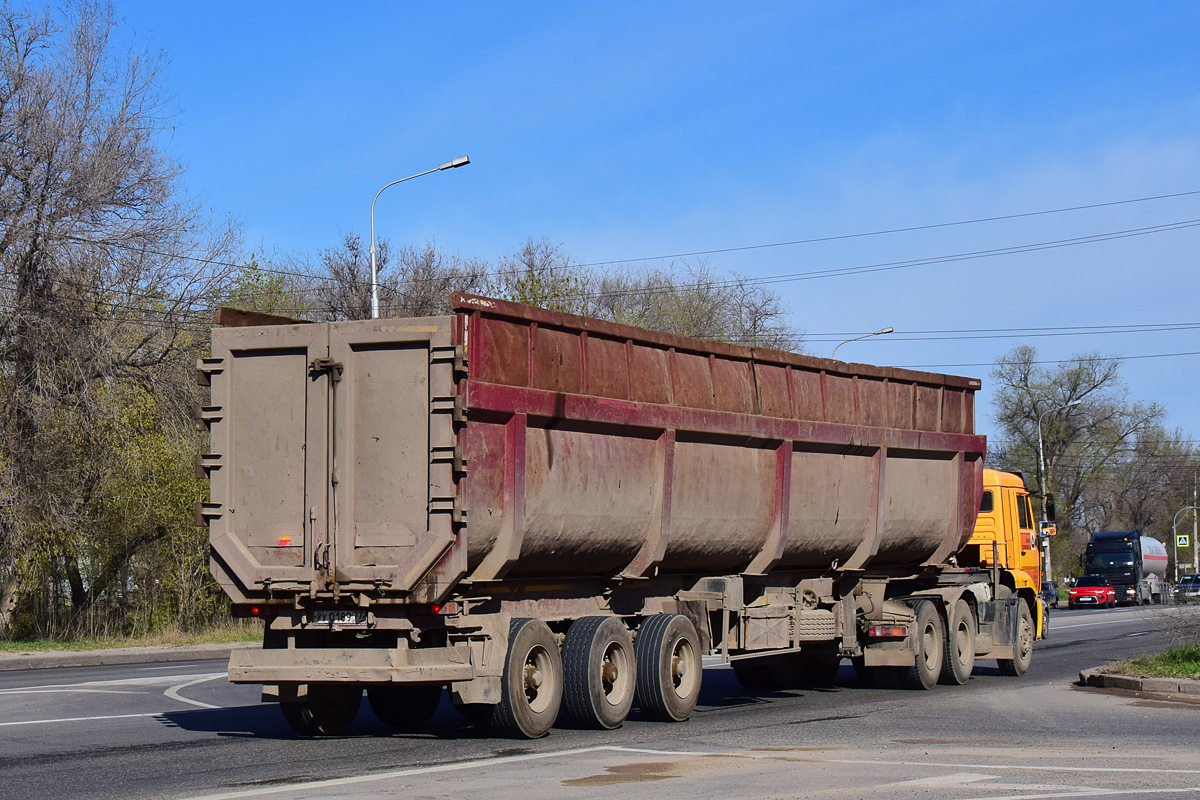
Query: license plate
[[340, 617]]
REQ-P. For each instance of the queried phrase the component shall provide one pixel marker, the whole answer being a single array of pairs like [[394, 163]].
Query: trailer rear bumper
[[352, 665]]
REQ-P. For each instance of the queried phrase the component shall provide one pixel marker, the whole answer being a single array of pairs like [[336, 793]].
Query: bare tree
[[341, 278], [683, 299], [425, 278], [694, 301], [539, 273], [104, 266], [1106, 454]]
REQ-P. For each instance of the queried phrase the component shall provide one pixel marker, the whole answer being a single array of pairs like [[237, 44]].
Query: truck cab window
[[1024, 518], [985, 504]]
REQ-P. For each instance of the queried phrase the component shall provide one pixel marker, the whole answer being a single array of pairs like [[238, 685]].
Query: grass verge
[[1178, 662], [249, 631]]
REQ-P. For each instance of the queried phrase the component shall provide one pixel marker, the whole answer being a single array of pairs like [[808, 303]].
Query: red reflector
[[449, 609], [887, 631], [255, 611]]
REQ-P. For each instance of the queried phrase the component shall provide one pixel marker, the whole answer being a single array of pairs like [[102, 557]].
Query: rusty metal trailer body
[[525, 505]]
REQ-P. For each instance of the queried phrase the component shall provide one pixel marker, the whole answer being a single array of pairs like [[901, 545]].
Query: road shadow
[[719, 691]]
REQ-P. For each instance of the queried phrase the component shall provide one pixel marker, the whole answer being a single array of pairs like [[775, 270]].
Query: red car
[[1092, 590]]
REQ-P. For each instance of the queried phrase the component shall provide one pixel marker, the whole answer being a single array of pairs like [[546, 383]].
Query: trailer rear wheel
[[669, 669], [1023, 646], [327, 710], [404, 706], [959, 660], [599, 672], [532, 686], [930, 636]]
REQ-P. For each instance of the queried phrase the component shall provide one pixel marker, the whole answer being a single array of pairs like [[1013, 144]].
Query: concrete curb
[[1183, 688], [54, 659]]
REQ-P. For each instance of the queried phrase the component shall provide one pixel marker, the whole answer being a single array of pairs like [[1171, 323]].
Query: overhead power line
[[714, 251], [1051, 361], [888, 231]]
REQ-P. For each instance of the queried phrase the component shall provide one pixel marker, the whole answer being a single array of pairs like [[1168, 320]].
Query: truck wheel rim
[[616, 674], [539, 679], [684, 672], [929, 646]]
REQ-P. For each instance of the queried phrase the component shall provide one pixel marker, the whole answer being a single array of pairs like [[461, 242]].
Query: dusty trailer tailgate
[[332, 456]]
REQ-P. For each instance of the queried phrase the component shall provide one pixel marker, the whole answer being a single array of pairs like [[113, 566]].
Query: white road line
[[1054, 626], [461, 765], [1044, 767], [81, 719], [150, 680], [173, 692], [1088, 793], [330, 783]]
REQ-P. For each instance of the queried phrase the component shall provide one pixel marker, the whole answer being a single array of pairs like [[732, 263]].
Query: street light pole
[[1042, 486], [879, 332], [1175, 536], [461, 161]]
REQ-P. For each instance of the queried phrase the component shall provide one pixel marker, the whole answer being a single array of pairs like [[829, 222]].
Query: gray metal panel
[[393, 441], [260, 468]]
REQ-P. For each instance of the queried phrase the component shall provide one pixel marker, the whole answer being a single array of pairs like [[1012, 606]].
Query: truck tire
[[599, 672], [1018, 665], [959, 658], [930, 637], [404, 705], [532, 686], [669, 667], [328, 710]]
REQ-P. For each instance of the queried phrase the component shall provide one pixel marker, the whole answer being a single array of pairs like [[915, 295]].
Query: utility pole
[[1044, 541], [1195, 524]]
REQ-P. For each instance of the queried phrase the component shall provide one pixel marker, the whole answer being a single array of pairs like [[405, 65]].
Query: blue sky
[[625, 131]]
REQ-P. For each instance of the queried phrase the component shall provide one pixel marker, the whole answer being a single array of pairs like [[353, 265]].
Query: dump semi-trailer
[[1135, 565], [534, 509]]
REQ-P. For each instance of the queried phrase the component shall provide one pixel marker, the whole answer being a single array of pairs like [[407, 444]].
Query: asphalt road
[[180, 730]]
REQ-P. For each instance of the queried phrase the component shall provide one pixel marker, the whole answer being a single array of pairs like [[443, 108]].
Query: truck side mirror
[[1048, 506]]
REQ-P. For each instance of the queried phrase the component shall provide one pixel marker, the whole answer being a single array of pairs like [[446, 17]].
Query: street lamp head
[[461, 161], [882, 331], [1074, 402]]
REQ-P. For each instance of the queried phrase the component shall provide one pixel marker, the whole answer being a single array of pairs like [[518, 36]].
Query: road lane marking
[[81, 719], [1054, 626], [173, 692], [1044, 767], [149, 680], [329, 783], [1087, 793]]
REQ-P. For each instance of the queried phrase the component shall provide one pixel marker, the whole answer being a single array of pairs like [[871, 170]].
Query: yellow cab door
[[1025, 548]]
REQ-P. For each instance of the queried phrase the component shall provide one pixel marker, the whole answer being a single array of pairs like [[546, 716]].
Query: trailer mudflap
[[352, 665]]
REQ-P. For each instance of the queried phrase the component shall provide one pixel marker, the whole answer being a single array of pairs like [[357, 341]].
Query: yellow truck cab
[[1006, 519]]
